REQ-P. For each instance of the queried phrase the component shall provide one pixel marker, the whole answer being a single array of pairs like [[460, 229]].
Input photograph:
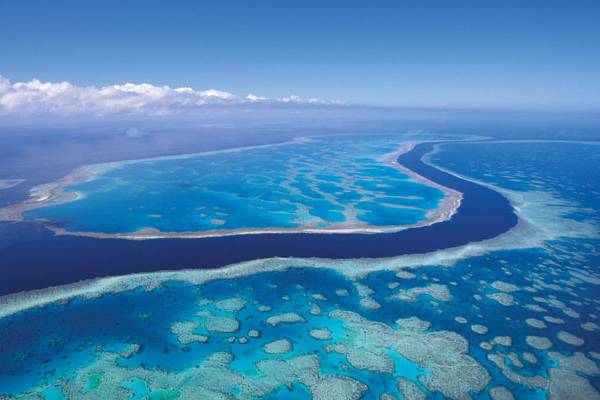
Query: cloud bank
[[64, 99]]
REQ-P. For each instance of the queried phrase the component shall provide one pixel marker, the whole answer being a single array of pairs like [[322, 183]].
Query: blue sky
[[515, 54]]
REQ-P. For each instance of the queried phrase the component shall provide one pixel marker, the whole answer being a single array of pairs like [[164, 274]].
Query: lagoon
[[324, 184]]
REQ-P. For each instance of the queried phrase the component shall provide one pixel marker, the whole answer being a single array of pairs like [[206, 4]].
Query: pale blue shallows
[[318, 183]]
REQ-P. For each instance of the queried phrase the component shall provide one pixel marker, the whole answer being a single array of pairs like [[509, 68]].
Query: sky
[[450, 54]]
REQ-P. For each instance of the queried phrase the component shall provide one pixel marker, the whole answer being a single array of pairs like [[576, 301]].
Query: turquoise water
[[476, 318], [334, 182]]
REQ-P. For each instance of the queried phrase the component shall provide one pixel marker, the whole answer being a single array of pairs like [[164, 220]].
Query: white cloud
[[65, 99]]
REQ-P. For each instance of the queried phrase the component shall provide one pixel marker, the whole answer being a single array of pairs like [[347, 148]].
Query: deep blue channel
[[32, 257]]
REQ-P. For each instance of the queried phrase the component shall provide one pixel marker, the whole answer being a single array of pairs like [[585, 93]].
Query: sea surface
[[515, 315], [483, 214], [319, 182]]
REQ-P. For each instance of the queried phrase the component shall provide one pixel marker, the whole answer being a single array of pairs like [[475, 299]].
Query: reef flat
[[342, 184], [177, 339], [515, 316], [124, 257]]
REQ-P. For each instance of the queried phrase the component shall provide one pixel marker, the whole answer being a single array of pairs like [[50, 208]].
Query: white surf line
[[538, 224], [10, 183], [54, 193]]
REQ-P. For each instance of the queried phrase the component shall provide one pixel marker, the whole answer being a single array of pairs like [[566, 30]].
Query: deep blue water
[[483, 214], [566, 169], [63, 346]]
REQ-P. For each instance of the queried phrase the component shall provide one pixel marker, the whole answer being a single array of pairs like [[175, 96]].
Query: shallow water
[[483, 214], [178, 339], [327, 182]]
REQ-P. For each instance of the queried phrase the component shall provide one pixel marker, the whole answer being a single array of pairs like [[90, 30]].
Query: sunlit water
[[512, 321], [328, 182]]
